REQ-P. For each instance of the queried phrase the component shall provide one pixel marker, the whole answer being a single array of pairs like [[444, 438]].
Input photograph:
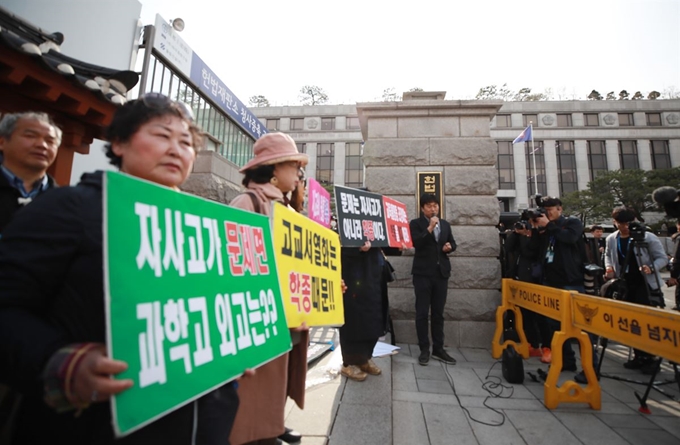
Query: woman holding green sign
[[269, 177], [52, 315]]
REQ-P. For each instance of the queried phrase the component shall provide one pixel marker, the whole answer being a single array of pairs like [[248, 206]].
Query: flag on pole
[[524, 136]]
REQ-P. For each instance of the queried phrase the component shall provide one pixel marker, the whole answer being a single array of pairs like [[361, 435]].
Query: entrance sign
[[308, 261], [431, 182], [365, 216], [192, 296]]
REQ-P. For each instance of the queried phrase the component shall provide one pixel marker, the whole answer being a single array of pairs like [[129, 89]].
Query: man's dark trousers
[[430, 291]]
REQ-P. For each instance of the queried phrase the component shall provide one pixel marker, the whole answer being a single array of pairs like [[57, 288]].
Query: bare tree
[[258, 101], [389, 95], [671, 93], [312, 95], [494, 92], [416, 89]]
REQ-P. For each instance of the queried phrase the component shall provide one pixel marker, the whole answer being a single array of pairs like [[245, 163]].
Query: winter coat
[[263, 396], [653, 256], [52, 295], [10, 199], [429, 258], [363, 303]]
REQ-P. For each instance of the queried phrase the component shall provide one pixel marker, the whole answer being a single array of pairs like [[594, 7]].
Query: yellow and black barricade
[[652, 330]]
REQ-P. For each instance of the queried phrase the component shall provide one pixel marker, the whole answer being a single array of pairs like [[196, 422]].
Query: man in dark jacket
[[28, 143], [433, 241], [559, 241]]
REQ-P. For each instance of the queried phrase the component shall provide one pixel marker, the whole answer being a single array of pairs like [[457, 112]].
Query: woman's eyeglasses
[[301, 177], [159, 101]]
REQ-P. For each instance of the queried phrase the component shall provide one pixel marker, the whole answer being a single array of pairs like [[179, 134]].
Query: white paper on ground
[[382, 349]]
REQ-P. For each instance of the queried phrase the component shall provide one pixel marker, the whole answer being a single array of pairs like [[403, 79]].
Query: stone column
[[427, 133]]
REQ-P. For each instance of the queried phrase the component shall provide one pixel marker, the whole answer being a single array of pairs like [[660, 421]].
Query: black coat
[[363, 276], [52, 295], [429, 259], [566, 269], [9, 199]]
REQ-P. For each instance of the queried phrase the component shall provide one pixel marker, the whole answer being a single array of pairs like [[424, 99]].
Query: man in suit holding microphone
[[433, 241]]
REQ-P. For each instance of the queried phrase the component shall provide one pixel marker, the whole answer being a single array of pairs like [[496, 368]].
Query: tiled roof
[[23, 37]]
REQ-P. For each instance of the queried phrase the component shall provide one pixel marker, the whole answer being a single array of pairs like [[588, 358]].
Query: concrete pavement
[[437, 404]]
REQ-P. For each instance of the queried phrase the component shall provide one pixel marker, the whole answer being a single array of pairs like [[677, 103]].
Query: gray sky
[[356, 49]]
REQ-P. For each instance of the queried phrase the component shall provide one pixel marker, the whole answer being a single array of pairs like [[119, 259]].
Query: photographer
[[642, 255], [674, 280], [558, 241], [524, 265]]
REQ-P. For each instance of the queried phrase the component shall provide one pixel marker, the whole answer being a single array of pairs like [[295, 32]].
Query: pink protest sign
[[398, 231], [319, 208]]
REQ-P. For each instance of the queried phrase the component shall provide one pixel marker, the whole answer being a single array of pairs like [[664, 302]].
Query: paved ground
[[438, 404]]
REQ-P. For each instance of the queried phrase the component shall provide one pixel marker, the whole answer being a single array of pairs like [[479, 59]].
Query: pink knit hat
[[274, 148]]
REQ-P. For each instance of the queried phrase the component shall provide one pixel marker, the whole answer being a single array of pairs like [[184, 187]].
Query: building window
[[661, 158], [530, 118], [654, 119], [591, 120], [564, 120], [506, 166], [628, 155], [352, 123], [325, 163], [536, 175], [597, 158], [272, 124], [302, 147], [503, 120], [566, 166], [297, 123], [354, 168], [626, 120], [328, 123]]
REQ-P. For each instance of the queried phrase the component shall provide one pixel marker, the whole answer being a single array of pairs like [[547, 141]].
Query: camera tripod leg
[[643, 399], [604, 342]]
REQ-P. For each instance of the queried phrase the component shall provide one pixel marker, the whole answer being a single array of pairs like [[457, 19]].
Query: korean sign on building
[[431, 182], [364, 216], [308, 260], [192, 296], [175, 51]]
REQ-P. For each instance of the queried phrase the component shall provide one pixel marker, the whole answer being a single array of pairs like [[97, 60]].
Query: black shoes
[[442, 356], [581, 378], [424, 357], [636, 363], [290, 436]]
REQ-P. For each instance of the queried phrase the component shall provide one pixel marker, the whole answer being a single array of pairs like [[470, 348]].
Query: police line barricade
[[652, 330], [557, 305]]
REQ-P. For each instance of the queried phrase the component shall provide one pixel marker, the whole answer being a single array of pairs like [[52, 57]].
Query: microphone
[[668, 198]]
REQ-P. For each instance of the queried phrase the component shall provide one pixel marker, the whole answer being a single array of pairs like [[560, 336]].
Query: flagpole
[[533, 157]]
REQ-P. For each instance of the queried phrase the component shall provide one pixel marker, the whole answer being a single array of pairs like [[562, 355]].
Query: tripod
[[650, 299]]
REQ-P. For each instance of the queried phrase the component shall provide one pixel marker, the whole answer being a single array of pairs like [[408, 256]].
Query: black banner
[[361, 217]]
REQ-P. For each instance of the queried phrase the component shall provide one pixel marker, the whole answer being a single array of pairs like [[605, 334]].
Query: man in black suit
[[433, 241]]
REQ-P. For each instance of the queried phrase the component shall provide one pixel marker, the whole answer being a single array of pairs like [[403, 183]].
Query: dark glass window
[[503, 120], [530, 118], [566, 166], [591, 120], [537, 174], [328, 123], [354, 168], [661, 157], [626, 120], [564, 120], [506, 166], [297, 123], [628, 155], [325, 163], [597, 158]]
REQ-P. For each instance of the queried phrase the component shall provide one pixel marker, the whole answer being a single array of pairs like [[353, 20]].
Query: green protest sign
[[192, 296]]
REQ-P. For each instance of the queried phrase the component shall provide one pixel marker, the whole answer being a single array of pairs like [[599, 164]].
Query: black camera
[[534, 213], [522, 225], [637, 231]]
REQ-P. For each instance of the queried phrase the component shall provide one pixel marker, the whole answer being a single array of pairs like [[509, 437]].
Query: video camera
[[533, 213], [637, 231]]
